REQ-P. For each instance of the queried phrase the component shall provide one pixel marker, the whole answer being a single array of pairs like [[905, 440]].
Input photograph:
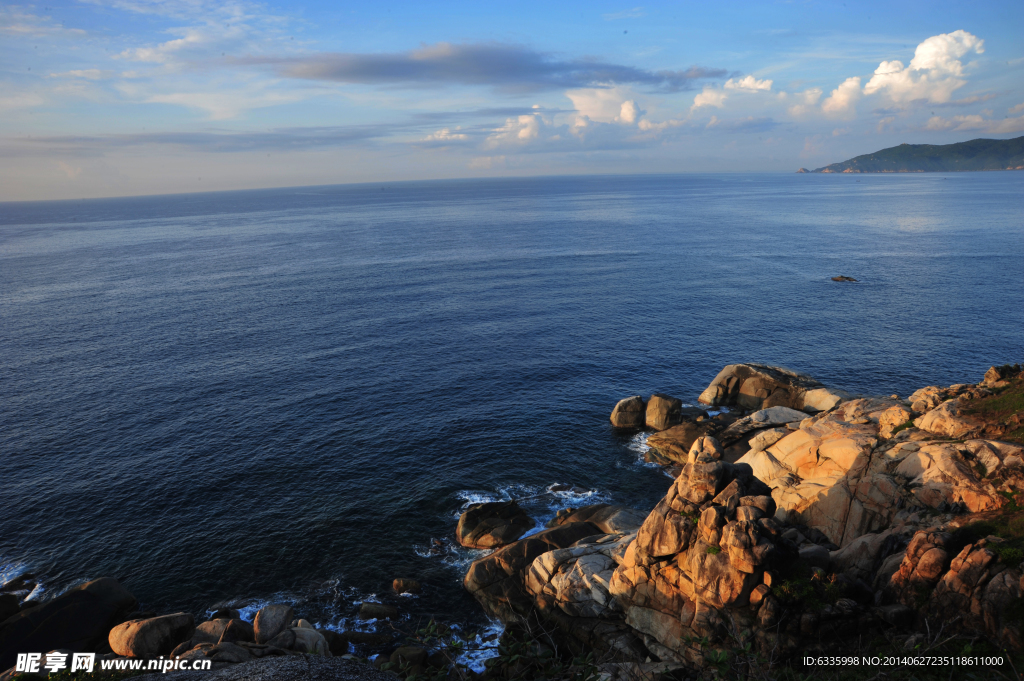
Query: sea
[[290, 395]]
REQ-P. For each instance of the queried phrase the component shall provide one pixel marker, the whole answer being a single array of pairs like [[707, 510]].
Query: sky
[[134, 97]]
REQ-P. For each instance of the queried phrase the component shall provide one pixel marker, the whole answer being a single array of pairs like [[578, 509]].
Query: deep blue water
[[290, 393]]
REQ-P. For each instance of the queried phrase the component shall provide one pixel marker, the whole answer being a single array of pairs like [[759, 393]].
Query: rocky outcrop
[[674, 444], [498, 580], [630, 413], [963, 588], [486, 526], [77, 620], [758, 386], [968, 474], [947, 420]]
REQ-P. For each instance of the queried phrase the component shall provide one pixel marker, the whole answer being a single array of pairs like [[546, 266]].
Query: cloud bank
[[505, 66]]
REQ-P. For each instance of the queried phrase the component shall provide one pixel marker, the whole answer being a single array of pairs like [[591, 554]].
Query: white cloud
[[224, 104], [87, 74], [634, 13], [71, 171], [629, 112], [934, 73], [1016, 109], [19, 101], [517, 130], [486, 162], [748, 83], [975, 122], [446, 135], [605, 105], [806, 101], [843, 99], [709, 97]]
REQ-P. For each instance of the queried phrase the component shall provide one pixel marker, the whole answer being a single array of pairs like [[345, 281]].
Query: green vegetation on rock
[[979, 154]]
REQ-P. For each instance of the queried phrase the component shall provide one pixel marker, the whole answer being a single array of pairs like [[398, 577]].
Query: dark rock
[[271, 620], [9, 605], [842, 278], [237, 630], [412, 655], [377, 611], [486, 526], [77, 620], [285, 639], [363, 638], [210, 631]]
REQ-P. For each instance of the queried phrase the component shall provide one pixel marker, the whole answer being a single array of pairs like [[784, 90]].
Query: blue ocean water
[[289, 394]]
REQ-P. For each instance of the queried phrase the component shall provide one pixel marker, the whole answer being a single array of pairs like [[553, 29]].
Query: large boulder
[[497, 580], [151, 637], [972, 589], [698, 557], [663, 411], [827, 474], [757, 386], [575, 579], [948, 420], [77, 620], [488, 525], [970, 473], [629, 413], [893, 418], [271, 620]]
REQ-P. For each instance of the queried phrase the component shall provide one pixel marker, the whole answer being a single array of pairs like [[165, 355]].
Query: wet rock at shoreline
[[377, 611], [77, 620], [758, 386], [493, 524], [608, 518]]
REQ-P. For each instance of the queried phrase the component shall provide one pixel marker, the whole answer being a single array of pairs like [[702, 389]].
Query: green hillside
[[979, 154]]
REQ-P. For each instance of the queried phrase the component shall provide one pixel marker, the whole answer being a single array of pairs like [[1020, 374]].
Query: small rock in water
[[406, 586], [842, 278], [377, 611]]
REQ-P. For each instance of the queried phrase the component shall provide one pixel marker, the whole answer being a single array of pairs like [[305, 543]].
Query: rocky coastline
[[802, 520]]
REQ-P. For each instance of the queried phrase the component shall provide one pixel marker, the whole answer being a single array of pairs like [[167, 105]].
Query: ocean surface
[[290, 394]]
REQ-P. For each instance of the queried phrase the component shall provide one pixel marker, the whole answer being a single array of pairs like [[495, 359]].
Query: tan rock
[[663, 411], [629, 413], [947, 420], [151, 637], [675, 443], [755, 386], [705, 449], [486, 526], [892, 418]]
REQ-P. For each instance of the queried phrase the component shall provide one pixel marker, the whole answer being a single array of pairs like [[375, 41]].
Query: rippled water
[[289, 394]]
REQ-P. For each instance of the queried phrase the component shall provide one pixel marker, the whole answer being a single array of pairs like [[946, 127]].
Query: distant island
[[979, 154]]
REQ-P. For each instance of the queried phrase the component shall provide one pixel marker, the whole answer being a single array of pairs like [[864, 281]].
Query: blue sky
[[119, 97]]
